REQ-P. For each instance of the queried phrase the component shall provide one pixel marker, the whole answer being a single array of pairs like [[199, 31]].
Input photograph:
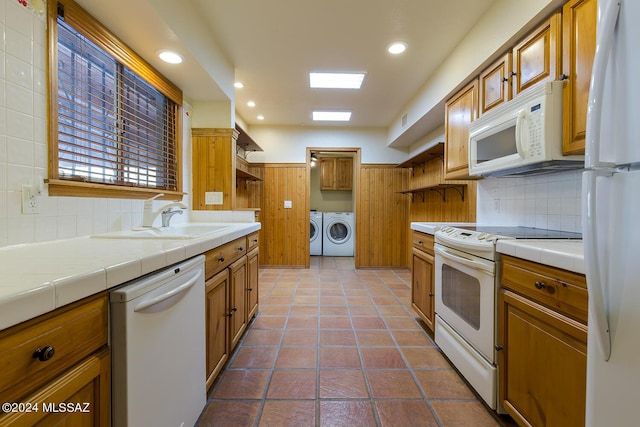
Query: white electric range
[[466, 290]]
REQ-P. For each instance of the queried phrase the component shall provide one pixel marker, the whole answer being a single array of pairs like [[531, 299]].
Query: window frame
[[87, 25]]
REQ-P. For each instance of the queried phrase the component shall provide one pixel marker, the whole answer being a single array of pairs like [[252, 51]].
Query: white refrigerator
[[611, 218]]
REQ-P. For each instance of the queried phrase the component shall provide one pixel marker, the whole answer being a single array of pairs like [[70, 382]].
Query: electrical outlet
[[287, 204], [29, 200]]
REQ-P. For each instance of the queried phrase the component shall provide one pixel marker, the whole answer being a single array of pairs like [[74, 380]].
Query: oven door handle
[[463, 260]]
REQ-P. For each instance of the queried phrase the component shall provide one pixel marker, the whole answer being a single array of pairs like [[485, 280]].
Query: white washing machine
[[315, 233], [339, 234]]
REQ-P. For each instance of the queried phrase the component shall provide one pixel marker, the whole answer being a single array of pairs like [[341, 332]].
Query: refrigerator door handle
[[604, 44], [595, 286]]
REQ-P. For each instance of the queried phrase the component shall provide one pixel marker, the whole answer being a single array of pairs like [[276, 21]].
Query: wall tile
[[17, 17]]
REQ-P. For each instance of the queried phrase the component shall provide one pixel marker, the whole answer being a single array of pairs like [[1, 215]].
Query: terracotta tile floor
[[336, 346]]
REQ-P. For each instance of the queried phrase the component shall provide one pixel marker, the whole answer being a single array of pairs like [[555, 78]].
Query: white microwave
[[522, 136]]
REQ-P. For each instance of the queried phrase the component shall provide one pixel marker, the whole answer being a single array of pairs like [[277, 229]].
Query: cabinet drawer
[[423, 241], [72, 332], [558, 289], [220, 257], [253, 240]]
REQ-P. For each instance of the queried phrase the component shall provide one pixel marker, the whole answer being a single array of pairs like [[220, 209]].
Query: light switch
[[213, 198], [287, 204]]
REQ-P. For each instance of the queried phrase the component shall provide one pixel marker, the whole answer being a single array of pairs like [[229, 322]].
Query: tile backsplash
[[551, 201]]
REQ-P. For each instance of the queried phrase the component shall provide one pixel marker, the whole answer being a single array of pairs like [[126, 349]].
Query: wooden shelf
[[242, 174], [437, 150], [438, 188], [245, 142]]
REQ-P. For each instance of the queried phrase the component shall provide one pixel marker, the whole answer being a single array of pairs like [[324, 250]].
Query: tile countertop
[[430, 227], [565, 254], [40, 277]]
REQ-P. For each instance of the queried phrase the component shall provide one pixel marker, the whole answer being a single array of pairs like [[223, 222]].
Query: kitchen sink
[[182, 231]]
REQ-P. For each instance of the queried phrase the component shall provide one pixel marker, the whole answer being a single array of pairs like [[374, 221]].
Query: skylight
[[332, 116], [336, 80]]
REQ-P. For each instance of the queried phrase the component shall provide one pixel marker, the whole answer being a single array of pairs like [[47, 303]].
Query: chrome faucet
[[149, 215]]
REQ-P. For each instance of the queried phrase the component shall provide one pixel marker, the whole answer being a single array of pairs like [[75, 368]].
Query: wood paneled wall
[[382, 216], [284, 238]]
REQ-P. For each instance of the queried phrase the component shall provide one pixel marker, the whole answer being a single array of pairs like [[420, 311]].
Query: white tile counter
[[40, 277], [430, 227], [565, 254]]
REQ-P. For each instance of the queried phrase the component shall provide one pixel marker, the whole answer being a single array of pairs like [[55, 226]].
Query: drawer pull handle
[[250, 289], [234, 309], [221, 259], [229, 314], [45, 353], [430, 294], [255, 240], [540, 285], [240, 249], [420, 242], [499, 347]]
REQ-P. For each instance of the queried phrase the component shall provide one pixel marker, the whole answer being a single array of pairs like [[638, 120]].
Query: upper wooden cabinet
[[579, 19], [336, 173], [537, 58], [495, 86], [460, 111]]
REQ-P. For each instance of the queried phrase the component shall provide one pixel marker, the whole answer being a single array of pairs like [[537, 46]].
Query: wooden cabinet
[[460, 111], [579, 18], [231, 287], [237, 291], [336, 173], [58, 357], [422, 278], [495, 84], [217, 328], [543, 334], [217, 168], [537, 58], [252, 283]]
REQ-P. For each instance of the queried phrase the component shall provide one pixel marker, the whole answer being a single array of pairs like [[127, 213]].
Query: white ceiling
[[273, 45]]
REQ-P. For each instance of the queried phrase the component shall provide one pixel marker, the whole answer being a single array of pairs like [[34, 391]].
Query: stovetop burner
[[524, 232]]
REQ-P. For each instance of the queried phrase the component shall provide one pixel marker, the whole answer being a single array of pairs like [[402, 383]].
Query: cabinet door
[[252, 283], [460, 111], [237, 285], [328, 173], [85, 391], [542, 365], [579, 18], [495, 84], [344, 173], [536, 59], [422, 288], [217, 326]]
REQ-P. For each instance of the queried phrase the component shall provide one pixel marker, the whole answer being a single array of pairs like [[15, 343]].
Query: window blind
[[113, 126]]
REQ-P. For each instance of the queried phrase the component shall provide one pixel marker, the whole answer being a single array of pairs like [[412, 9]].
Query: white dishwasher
[[158, 348]]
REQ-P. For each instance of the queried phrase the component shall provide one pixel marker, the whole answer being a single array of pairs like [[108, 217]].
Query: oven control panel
[[470, 241]]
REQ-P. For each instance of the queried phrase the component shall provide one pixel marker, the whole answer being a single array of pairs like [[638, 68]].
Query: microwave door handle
[[521, 130]]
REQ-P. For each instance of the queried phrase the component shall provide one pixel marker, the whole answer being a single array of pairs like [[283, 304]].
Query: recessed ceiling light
[[332, 116], [336, 80], [251, 104], [396, 48], [170, 56], [238, 85], [260, 117]]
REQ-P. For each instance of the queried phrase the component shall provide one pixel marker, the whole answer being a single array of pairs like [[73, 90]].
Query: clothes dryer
[[339, 234], [315, 233]]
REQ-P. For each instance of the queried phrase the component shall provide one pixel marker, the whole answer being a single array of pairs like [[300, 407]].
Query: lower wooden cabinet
[[543, 358], [231, 289], [58, 367], [217, 328], [237, 287], [252, 283], [422, 278]]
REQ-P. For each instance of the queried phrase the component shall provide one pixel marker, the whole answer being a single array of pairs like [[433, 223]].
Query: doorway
[[328, 190]]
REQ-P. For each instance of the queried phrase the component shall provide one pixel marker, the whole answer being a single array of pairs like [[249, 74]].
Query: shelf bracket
[[460, 191], [442, 192]]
